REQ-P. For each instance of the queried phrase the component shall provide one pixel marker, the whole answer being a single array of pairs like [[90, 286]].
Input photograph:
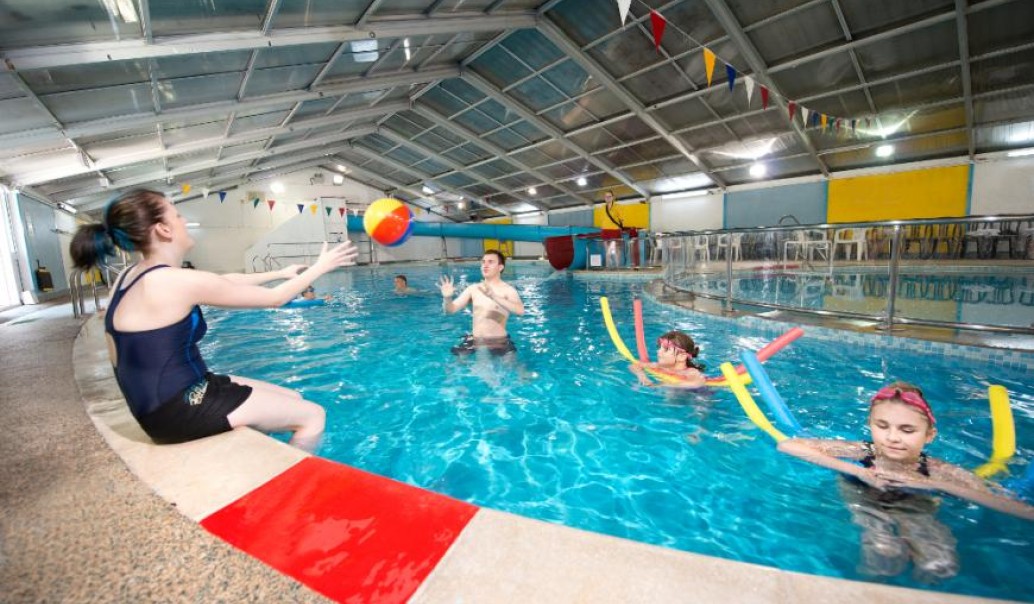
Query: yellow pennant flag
[[709, 64], [186, 189], [313, 208], [824, 120]]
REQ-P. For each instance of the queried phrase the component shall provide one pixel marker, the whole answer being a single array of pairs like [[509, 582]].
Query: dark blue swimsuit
[[168, 387], [156, 365]]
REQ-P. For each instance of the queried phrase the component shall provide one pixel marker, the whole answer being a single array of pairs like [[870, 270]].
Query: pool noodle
[[736, 384], [1003, 440], [303, 303], [771, 397], [764, 354], [608, 320], [640, 333]]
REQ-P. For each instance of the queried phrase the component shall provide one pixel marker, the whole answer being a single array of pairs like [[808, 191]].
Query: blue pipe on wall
[[502, 232]]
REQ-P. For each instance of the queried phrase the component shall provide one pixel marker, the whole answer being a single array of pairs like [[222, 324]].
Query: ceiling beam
[[465, 133], [553, 33], [43, 57], [746, 49], [967, 84], [491, 90], [425, 177], [194, 146], [458, 167], [221, 109], [271, 12]]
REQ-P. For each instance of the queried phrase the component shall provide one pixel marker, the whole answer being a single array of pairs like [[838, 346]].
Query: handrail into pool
[[889, 318]]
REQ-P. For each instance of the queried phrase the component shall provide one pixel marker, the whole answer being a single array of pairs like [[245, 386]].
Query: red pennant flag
[[271, 204], [792, 108], [836, 125], [657, 22], [301, 207], [341, 212], [764, 97]]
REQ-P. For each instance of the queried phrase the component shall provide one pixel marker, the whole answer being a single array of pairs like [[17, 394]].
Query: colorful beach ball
[[388, 222]]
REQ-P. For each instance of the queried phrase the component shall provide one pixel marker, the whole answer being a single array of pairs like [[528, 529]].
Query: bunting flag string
[[341, 212], [271, 204], [222, 196], [186, 188], [301, 207], [810, 118], [313, 208], [255, 202], [205, 192], [329, 210]]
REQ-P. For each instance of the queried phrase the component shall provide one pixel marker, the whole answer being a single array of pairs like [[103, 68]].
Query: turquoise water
[[564, 434]]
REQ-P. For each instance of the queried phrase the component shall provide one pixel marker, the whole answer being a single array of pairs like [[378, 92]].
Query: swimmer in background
[[675, 354], [402, 285], [493, 301], [899, 525], [310, 294]]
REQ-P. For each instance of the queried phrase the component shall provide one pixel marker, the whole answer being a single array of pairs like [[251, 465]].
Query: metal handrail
[[889, 319]]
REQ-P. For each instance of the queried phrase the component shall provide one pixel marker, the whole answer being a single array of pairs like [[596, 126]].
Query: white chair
[[736, 245], [849, 237], [807, 243], [701, 246]]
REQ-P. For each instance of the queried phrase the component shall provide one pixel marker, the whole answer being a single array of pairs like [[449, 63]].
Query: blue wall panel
[[764, 207], [575, 218]]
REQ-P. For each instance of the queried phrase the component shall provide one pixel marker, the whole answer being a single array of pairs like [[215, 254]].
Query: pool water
[[564, 434], [1002, 297]]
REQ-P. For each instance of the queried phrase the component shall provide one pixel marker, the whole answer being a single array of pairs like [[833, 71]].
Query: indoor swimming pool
[[563, 433]]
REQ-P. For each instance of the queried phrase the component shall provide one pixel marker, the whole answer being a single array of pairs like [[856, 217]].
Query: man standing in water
[[493, 300]]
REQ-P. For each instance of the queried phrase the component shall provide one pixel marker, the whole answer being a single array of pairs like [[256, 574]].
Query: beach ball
[[388, 222]]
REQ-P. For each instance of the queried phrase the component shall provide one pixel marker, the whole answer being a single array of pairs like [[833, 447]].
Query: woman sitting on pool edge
[[154, 324], [675, 354], [897, 524]]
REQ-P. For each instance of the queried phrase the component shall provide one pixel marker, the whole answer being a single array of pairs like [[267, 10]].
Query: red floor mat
[[350, 535]]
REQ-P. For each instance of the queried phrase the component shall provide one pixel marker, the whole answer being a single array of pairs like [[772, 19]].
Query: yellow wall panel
[[930, 193], [506, 247], [635, 215]]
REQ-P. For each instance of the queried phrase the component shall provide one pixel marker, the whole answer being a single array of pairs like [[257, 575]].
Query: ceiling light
[[533, 191], [884, 150], [405, 46], [758, 170], [277, 187], [364, 51], [67, 208], [582, 181], [193, 225], [104, 181], [1021, 152], [460, 204], [427, 190], [752, 150], [338, 179], [342, 168]]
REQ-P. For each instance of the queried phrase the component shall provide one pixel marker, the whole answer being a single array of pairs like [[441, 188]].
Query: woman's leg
[[271, 408]]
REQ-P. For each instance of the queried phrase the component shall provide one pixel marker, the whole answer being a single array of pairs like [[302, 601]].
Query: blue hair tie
[[120, 238], [102, 243]]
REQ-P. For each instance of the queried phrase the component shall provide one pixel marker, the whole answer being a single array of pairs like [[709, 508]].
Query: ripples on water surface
[[563, 434]]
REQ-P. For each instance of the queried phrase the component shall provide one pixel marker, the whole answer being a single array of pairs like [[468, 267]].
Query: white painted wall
[[530, 249], [1003, 187], [687, 213]]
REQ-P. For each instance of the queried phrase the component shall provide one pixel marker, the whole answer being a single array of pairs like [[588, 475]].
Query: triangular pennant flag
[[254, 203], [709, 64], [657, 23], [205, 192], [748, 83], [329, 210], [186, 188], [804, 116], [791, 108], [825, 120], [730, 73], [271, 203], [854, 126], [836, 125], [301, 207], [623, 10], [764, 97], [341, 212], [222, 196], [313, 208]]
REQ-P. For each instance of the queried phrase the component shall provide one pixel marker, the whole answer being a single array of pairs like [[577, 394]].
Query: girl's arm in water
[[954, 480], [830, 453]]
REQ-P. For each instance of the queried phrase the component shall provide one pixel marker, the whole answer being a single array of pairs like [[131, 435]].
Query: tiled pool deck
[[343, 533]]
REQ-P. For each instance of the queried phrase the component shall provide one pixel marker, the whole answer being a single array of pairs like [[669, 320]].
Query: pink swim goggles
[[666, 344], [912, 399]]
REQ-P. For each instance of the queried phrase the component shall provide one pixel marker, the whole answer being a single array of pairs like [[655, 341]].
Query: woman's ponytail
[[90, 246]]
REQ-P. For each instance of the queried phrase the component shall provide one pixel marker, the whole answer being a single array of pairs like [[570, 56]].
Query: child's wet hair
[[683, 341]]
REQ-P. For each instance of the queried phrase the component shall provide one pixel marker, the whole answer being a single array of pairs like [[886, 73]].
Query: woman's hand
[[343, 254], [446, 286], [289, 272]]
